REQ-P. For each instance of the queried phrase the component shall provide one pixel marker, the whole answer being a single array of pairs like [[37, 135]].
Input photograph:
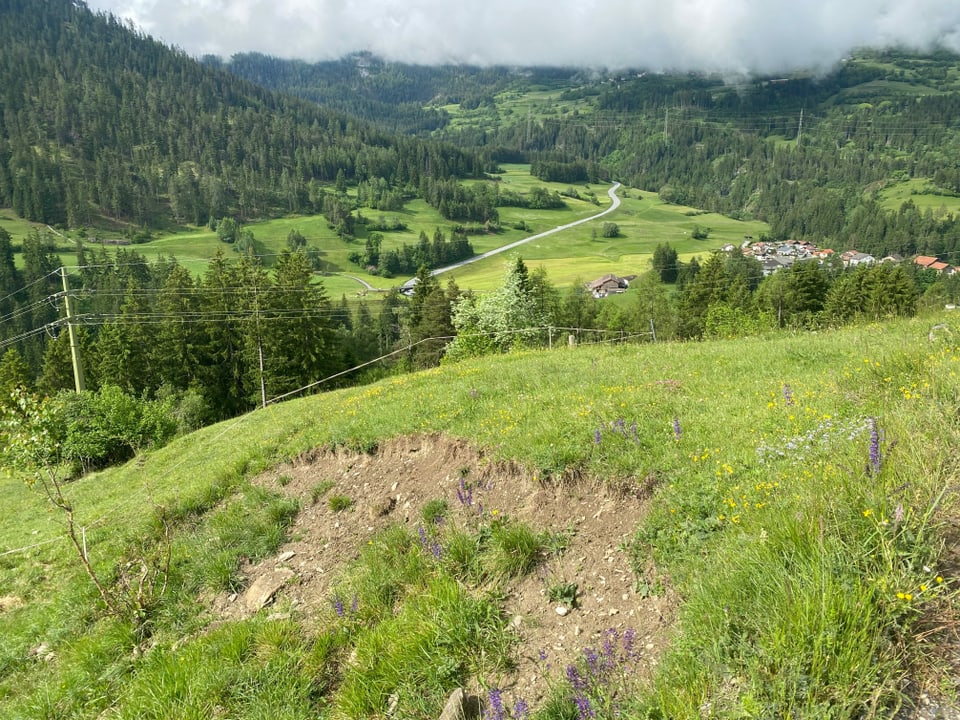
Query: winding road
[[614, 204]]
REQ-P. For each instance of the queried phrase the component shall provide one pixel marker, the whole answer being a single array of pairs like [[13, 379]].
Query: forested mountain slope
[[98, 119], [809, 154]]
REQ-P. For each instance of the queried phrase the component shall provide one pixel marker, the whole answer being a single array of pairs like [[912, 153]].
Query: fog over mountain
[[719, 35]]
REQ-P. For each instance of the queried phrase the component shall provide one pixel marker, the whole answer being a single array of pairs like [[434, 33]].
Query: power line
[[27, 287]]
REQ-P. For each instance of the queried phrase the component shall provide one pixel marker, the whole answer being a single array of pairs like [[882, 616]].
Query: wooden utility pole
[[263, 384], [78, 380]]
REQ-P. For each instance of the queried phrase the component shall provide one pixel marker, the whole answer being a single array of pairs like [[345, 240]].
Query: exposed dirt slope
[[392, 485]]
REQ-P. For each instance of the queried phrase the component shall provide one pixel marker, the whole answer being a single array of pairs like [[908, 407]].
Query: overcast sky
[[721, 35]]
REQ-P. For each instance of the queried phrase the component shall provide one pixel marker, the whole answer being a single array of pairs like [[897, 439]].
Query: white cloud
[[728, 35]]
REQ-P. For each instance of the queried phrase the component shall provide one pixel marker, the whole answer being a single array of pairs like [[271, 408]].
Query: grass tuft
[[339, 503]]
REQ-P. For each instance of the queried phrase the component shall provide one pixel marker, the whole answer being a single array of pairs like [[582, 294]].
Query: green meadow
[[919, 192], [573, 255], [582, 254]]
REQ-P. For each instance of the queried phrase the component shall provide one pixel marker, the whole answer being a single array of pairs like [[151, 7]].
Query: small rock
[[517, 621], [460, 707], [392, 703], [286, 556], [265, 587], [382, 507], [613, 611], [562, 610], [393, 488], [577, 630], [625, 596], [233, 597]]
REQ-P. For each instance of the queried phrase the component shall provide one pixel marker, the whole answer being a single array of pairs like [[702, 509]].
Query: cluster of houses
[[774, 256]]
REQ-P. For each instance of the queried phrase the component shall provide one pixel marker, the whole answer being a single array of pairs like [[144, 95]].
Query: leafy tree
[[504, 319], [655, 303], [33, 433], [14, 374], [228, 230], [610, 230]]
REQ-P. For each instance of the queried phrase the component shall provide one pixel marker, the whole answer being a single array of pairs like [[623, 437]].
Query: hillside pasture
[[790, 497], [919, 191], [582, 253]]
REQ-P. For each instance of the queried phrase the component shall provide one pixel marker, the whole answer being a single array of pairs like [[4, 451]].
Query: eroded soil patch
[[393, 484]]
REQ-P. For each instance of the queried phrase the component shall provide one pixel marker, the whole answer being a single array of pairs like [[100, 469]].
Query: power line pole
[[800, 128], [78, 380], [263, 384]]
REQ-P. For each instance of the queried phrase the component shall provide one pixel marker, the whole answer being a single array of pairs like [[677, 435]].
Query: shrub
[[109, 426], [610, 230]]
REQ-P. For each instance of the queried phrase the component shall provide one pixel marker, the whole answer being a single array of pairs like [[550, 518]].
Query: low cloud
[[731, 36]]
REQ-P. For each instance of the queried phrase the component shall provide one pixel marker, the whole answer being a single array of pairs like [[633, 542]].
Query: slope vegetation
[[734, 529]]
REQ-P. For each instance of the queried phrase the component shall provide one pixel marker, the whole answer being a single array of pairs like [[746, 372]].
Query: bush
[[610, 230], [109, 426]]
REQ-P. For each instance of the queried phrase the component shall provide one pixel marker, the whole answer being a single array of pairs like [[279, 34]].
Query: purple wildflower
[[596, 436], [436, 550], [898, 513], [542, 654], [423, 535], [629, 641], [584, 710], [787, 395], [495, 711], [465, 494], [593, 662], [677, 430], [633, 431], [521, 711], [338, 606], [576, 680]]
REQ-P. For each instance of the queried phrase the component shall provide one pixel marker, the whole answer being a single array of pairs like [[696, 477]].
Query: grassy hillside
[[800, 506]]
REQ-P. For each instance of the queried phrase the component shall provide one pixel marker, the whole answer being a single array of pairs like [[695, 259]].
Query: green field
[[800, 499], [917, 191], [577, 254], [644, 221]]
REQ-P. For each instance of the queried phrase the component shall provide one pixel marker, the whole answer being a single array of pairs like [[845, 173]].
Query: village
[[777, 255]]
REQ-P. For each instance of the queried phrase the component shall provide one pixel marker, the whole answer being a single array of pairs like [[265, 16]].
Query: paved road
[[363, 282], [614, 204]]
